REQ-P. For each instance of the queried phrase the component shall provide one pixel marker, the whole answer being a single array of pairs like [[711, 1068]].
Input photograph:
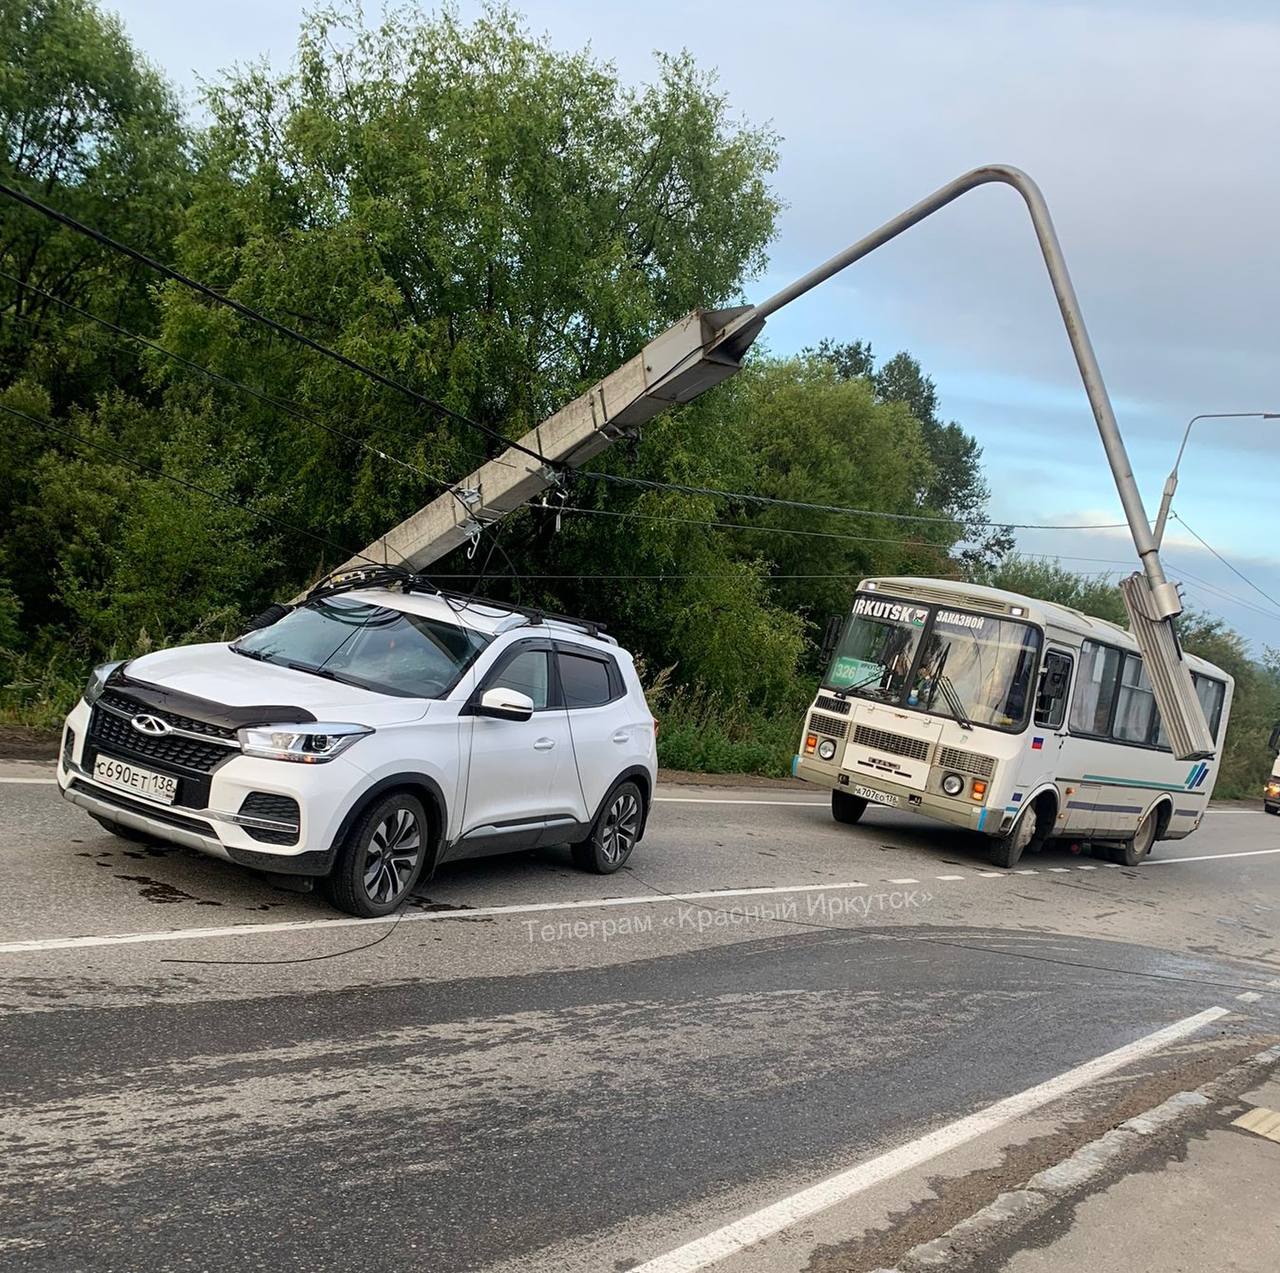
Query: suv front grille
[[893, 744], [116, 735], [829, 725], [965, 762]]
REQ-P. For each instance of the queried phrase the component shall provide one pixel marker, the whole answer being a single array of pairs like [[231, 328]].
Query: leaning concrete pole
[[676, 366]]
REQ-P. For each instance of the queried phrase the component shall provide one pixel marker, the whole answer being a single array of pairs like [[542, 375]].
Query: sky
[[1151, 127]]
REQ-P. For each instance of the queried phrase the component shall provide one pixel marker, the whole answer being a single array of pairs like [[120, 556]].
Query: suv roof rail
[[375, 576], [531, 615]]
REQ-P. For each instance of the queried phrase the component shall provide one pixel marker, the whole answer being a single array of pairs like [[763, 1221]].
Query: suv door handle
[[621, 736], [544, 744]]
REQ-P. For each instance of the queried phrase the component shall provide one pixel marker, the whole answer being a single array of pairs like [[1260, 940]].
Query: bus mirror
[[1274, 741], [829, 639]]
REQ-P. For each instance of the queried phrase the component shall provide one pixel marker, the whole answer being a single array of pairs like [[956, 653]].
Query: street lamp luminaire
[[1171, 482]]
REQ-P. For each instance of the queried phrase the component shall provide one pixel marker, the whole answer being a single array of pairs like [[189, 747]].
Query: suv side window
[[528, 671], [585, 680]]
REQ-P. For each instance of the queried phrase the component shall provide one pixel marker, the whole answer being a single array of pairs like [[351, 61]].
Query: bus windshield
[[878, 648], [977, 668]]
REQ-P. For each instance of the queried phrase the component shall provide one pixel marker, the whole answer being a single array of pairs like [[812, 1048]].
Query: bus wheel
[[847, 808], [1131, 852], [1009, 849]]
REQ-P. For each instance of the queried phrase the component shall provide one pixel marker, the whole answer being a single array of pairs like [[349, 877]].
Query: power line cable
[[1238, 573], [772, 501], [151, 471], [720, 525], [168, 271], [282, 404]]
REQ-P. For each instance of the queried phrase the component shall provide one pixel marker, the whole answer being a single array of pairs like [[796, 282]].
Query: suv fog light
[[826, 749], [952, 784]]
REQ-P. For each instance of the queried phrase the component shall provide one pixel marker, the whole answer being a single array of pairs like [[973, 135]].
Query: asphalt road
[[544, 1070]]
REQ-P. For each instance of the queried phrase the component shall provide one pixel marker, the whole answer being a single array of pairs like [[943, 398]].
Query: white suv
[[369, 735]]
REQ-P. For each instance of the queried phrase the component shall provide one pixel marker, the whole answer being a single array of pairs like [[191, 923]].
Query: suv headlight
[[98, 680], [310, 744]]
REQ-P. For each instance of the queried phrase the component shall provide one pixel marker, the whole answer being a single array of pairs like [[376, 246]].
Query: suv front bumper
[[322, 794]]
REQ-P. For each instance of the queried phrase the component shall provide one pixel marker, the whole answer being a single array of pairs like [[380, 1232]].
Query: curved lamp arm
[[1164, 595]]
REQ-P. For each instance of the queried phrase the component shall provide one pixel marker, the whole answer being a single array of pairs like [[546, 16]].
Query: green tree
[[87, 125], [955, 484], [492, 221]]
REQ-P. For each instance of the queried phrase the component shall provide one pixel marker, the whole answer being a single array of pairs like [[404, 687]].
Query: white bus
[[1016, 718]]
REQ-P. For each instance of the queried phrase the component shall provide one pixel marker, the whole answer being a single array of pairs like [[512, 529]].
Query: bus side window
[[1095, 689], [1051, 698], [1210, 693]]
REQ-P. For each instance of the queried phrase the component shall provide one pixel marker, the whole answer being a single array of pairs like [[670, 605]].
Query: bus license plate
[[876, 797], [142, 782]]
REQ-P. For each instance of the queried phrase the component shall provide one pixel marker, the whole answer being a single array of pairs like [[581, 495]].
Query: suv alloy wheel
[[615, 832], [381, 858]]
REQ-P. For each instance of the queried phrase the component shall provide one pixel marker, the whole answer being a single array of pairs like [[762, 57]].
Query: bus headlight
[[826, 749], [952, 784]]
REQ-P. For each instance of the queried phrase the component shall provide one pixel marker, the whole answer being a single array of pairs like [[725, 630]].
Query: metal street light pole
[[1171, 482]]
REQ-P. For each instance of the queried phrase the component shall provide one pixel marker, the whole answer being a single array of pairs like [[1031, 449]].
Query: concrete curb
[[1047, 1188]]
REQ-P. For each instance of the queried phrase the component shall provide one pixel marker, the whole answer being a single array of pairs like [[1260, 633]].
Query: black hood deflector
[[203, 709]]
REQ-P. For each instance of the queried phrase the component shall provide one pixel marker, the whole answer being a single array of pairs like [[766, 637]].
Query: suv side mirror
[[504, 704]]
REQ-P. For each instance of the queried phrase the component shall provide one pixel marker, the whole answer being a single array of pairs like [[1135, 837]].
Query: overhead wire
[[1238, 573], [747, 497], [282, 404], [246, 311], [151, 471]]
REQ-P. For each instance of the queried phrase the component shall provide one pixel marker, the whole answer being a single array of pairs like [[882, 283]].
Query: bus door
[[1044, 759]]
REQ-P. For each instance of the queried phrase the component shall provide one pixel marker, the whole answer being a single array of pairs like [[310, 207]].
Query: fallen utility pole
[[677, 366], [707, 347]]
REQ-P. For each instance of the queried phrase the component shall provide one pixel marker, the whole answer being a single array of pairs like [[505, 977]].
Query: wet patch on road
[[158, 891]]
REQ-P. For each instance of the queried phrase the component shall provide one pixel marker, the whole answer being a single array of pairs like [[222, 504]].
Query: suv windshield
[[370, 646], [973, 667]]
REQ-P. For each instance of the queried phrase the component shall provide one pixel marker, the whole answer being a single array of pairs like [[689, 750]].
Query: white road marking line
[[905, 880], [408, 917], [1060, 870], [799, 804], [1028, 871], [993, 875], [750, 1229], [33, 782], [947, 877], [1086, 868], [1210, 857], [1249, 996]]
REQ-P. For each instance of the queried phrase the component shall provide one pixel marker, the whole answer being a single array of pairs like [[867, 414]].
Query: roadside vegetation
[[495, 223]]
